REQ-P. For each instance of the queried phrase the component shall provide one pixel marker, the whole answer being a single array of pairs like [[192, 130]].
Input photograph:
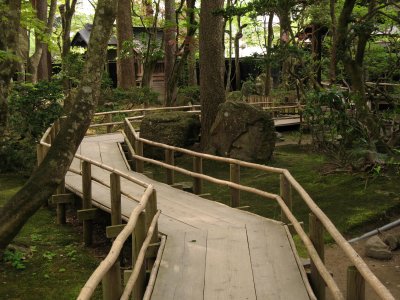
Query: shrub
[[188, 94], [129, 98]]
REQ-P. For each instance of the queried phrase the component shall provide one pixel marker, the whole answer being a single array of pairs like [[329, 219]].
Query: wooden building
[[81, 39]]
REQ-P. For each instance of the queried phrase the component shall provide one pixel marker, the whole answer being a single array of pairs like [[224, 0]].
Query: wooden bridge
[[188, 247]]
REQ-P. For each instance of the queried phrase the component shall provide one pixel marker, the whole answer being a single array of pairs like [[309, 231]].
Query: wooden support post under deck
[[235, 178], [316, 232], [151, 210], [61, 207], [111, 283], [87, 201], [286, 195], [197, 182], [355, 284], [138, 237], [139, 152], [170, 160], [39, 154], [109, 120]]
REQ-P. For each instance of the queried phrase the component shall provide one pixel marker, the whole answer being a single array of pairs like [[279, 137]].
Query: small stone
[[376, 248], [391, 241]]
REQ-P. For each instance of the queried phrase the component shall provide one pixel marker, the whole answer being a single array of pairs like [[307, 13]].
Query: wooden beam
[[62, 199], [87, 202], [316, 231], [197, 168], [87, 214], [355, 284], [113, 230], [286, 195], [138, 238], [115, 193], [139, 152], [170, 160], [235, 178]]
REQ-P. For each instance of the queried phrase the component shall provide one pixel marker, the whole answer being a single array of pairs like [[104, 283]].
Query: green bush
[[119, 98], [32, 108], [188, 94]]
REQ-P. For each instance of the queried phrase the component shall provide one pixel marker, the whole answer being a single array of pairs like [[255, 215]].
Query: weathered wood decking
[[212, 251]]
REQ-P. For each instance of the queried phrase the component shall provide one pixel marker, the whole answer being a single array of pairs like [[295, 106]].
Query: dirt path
[[388, 272]]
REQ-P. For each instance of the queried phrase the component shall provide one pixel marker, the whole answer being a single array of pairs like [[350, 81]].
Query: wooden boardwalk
[[212, 251]]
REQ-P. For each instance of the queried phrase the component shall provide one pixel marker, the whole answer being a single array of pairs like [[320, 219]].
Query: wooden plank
[[228, 266], [276, 274], [182, 269], [87, 214], [62, 199], [114, 230]]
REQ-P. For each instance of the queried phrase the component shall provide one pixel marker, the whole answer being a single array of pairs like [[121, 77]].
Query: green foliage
[[119, 98], [34, 107], [188, 94], [15, 258]]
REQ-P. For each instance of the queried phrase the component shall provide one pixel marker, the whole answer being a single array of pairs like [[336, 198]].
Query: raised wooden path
[[212, 251], [206, 250]]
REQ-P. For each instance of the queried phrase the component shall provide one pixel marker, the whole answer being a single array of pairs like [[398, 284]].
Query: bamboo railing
[[358, 274], [141, 226]]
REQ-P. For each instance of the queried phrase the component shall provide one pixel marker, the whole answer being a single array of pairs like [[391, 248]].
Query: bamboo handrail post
[[197, 168], [316, 231], [235, 178], [355, 284], [111, 283], [87, 201], [286, 195], [138, 237], [61, 207], [151, 211], [170, 160], [139, 152], [109, 120]]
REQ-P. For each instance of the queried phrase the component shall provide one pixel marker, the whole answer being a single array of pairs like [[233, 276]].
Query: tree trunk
[[169, 49], [40, 54], [212, 92], [270, 38], [228, 86], [45, 179], [9, 25], [67, 11], [192, 63], [126, 77], [333, 62]]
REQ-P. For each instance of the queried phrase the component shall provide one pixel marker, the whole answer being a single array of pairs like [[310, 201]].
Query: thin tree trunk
[[192, 63], [67, 11], [9, 25], [333, 63], [169, 48], [212, 68], [269, 49], [126, 77], [45, 179], [236, 42], [228, 86]]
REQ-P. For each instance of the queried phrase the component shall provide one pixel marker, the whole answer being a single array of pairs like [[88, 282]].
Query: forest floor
[[53, 258]]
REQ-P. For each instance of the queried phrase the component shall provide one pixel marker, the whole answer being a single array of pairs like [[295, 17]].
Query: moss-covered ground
[[47, 261]]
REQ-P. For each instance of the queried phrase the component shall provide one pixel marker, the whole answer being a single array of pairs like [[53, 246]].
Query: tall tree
[[125, 58], [212, 67], [169, 46], [10, 17], [40, 54], [67, 11], [42, 183]]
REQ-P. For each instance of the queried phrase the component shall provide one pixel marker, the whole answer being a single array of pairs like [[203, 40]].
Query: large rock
[[243, 132], [376, 248], [179, 129]]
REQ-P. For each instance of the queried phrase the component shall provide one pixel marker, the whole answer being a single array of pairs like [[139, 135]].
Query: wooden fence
[[141, 226], [357, 275]]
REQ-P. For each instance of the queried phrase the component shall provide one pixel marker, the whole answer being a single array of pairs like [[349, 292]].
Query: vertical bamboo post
[[111, 283], [316, 232], [139, 152], [286, 195], [170, 160], [39, 153], [151, 210], [61, 215], [355, 284], [87, 201], [235, 178], [109, 120], [197, 168], [138, 238]]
